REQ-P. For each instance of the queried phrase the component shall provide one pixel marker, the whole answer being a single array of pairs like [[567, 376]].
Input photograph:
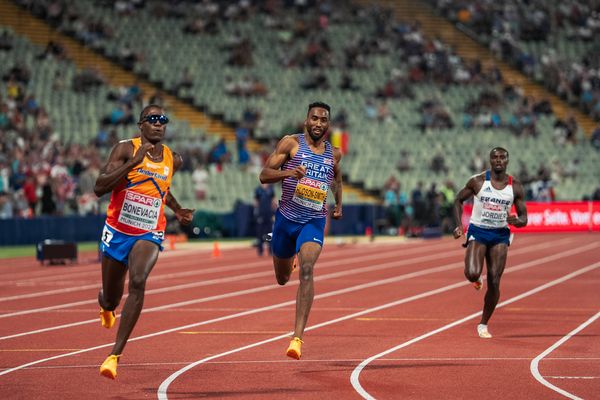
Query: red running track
[[389, 321]]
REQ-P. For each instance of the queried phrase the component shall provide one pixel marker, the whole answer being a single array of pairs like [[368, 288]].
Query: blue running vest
[[305, 199]]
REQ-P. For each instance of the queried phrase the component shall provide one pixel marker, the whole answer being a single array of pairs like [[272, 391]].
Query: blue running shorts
[[488, 236], [289, 236], [117, 245]]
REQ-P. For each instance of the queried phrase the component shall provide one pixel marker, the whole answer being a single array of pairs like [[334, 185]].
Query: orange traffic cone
[[216, 252]]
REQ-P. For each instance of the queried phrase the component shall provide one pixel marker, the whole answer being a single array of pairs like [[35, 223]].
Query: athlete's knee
[[306, 271], [471, 274], [494, 283], [137, 283], [282, 279]]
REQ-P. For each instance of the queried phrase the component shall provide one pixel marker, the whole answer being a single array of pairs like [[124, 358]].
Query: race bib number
[[106, 236], [310, 193], [140, 211]]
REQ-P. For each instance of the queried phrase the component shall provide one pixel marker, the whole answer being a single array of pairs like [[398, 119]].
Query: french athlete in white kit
[[488, 235]]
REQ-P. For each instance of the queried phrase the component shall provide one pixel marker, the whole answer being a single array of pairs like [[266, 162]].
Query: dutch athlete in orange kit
[[138, 173]]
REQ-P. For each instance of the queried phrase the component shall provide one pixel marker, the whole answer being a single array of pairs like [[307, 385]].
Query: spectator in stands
[[419, 206], [395, 202], [48, 206], [264, 211], [596, 194], [219, 154], [404, 163], [241, 141], [438, 164], [200, 180], [30, 193], [53, 50], [6, 40], [595, 138], [346, 82], [317, 80], [186, 80]]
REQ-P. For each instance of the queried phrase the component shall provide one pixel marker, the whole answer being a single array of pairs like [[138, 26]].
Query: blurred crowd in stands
[[507, 27], [41, 175]]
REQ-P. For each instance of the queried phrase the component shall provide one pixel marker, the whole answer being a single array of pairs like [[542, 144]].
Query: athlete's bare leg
[[496, 261], [142, 258], [474, 260], [283, 269], [309, 253], [113, 283]]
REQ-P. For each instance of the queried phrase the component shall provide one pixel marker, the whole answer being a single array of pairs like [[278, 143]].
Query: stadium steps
[[39, 32], [468, 48]]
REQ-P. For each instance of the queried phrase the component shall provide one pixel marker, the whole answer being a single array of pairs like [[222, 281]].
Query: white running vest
[[492, 206]]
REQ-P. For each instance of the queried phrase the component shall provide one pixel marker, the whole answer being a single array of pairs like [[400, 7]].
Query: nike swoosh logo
[[317, 240]]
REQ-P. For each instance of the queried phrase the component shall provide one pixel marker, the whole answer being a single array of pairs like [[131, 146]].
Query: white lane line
[[163, 276], [572, 377], [333, 253], [351, 361], [262, 289], [181, 260], [322, 265], [324, 277], [344, 273], [232, 316], [162, 390], [534, 366], [354, 378], [167, 288]]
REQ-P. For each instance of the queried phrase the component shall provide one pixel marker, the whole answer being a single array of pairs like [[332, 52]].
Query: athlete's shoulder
[[289, 141], [294, 136], [517, 185], [515, 180], [123, 148], [337, 154], [480, 177]]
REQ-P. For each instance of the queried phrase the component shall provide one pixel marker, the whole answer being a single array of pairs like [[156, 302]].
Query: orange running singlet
[[137, 205]]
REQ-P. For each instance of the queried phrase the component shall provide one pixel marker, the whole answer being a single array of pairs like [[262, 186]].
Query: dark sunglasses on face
[[162, 119]]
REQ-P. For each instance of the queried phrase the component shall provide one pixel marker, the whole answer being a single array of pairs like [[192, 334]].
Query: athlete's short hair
[[502, 149], [145, 109], [319, 104]]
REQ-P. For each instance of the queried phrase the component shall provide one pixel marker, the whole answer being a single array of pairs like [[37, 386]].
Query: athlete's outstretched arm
[[183, 215], [520, 219], [336, 185], [271, 172], [465, 194], [119, 163]]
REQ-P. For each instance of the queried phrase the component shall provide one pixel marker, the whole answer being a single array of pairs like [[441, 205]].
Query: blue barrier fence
[[16, 231], [238, 223]]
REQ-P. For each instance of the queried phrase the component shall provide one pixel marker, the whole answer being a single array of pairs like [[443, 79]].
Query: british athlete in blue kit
[[308, 166]]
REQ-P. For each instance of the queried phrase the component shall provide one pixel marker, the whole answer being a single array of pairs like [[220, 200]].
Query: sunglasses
[[162, 119]]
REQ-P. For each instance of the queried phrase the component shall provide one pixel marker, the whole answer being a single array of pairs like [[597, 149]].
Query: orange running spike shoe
[[107, 318], [295, 348], [108, 368]]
